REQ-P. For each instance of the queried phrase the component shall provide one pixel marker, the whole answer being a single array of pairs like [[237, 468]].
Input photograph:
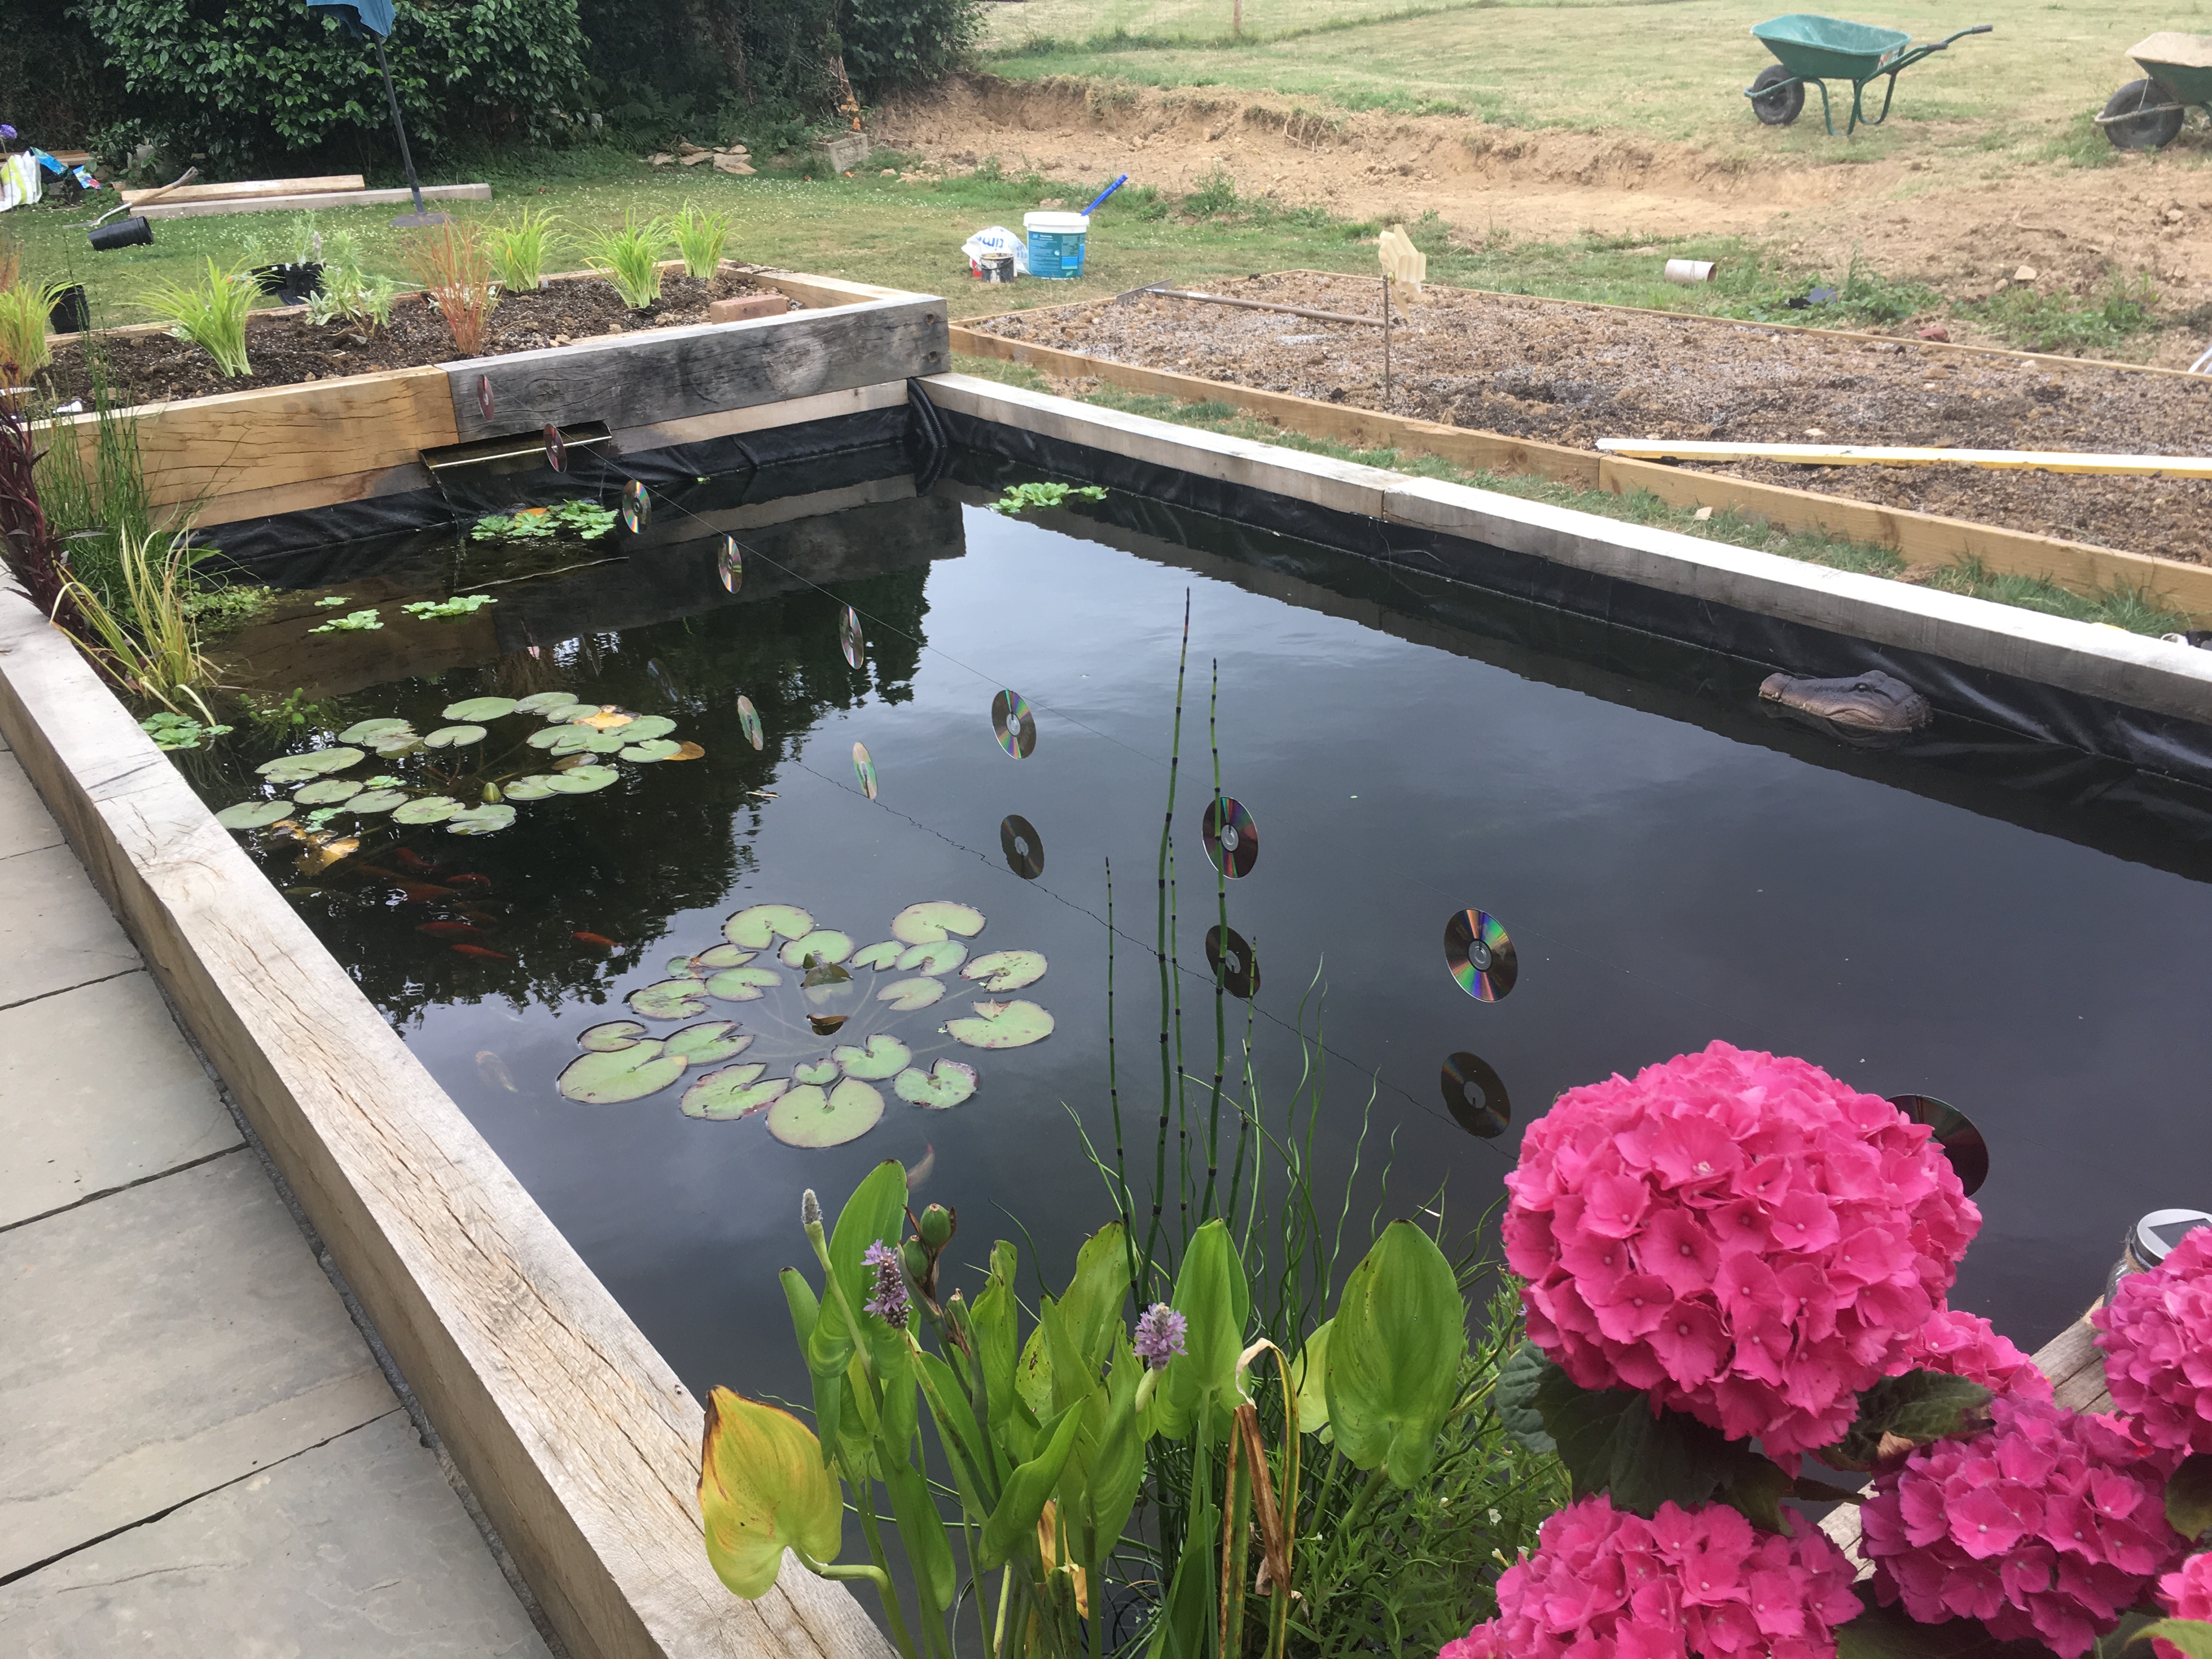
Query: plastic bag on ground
[[999, 239]]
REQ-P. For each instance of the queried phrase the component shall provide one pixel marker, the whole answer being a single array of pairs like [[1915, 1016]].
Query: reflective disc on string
[[749, 722], [483, 395], [556, 449], [1475, 1096], [1954, 1131], [1229, 953], [637, 507], [1014, 724], [1480, 955], [850, 640], [730, 565], [1023, 847], [864, 769], [1232, 840]]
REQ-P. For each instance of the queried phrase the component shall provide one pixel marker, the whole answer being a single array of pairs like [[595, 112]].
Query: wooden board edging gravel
[[1917, 537], [581, 1443]]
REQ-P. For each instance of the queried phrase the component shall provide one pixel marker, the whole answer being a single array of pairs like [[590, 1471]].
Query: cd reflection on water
[[1232, 840], [556, 449], [1015, 724], [864, 769], [1479, 953], [1954, 1131], [730, 565], [1023, 846], [849, 638], [1475, 1096], [1229, 953], [749, 722], [483, 395], [637, 507]]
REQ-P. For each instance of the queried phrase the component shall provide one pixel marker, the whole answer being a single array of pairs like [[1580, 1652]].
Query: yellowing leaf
[[763, 1489]]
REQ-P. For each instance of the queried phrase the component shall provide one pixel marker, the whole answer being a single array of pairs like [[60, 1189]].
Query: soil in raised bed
[[1565, 374], [287, 349]]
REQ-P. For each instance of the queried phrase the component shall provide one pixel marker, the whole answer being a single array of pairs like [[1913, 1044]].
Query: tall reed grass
[[145, 638]]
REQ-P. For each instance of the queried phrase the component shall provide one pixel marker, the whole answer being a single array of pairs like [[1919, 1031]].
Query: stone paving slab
[[166, 1340], [25, 824], [100, 1091], [356, 1549], [56, 930]]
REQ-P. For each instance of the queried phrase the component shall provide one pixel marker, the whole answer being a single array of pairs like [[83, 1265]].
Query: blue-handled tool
[[1104, 193]]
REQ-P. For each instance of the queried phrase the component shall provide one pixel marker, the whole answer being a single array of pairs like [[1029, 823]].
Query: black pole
[[398, 127]]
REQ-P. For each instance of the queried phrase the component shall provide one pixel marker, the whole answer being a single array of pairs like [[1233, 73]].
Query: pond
[[2008, 926]]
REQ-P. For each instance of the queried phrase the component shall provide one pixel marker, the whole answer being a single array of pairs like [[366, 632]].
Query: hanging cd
[[556, 449], [1475, 1096], [864, 769], [483, 395], [849, 638], [1229, 953], [1023, 847], [1954, 1131], [1232, 840], [1015, 724], [730, 565], [637, 507], [1479, 953], [749, 722]]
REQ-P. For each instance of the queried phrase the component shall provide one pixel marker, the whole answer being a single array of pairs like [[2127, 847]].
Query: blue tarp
[[359, 16]]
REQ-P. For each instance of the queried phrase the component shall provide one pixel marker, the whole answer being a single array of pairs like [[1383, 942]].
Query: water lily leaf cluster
[[820, 1005]]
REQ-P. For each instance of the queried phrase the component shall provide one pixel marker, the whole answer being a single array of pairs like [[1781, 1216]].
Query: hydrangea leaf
[[609, 1076], [946, 1084], [453, 737], [820, 1072], [1514, 1397], [1006, 970], [537, 785], [369, 802], [429, 808], [734, 1091], [472, 709], [539, 702], [2193, 1637], [806, 1117], [581, 780], [939, 957], [883, 1055], [1002, 1025], [723, 956], [883, 956], [823, 944], [670, 999], [325, 792], [379, 730], [253, 814], [480, 820], [1918, 1406], [705, 1043], [2189, 1496], [614, 1034], [757, 925], [908, 994], [936, 919]]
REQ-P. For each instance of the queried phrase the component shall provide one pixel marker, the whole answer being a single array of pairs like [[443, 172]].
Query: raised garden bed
[[1565, 374]]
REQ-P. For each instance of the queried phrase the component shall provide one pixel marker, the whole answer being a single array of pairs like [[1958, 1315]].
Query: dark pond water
[[2015, 930]]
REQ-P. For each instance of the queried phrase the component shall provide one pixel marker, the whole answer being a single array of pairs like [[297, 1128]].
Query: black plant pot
[[293, 285], [70, 314], [134, 231]]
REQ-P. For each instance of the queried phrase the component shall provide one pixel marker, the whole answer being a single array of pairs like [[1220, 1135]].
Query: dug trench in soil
[[287, 350], [1567, 373]]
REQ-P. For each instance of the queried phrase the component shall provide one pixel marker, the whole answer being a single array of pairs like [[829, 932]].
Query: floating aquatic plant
[[442, 610], [354, 622], [801, 982], [172, 731], [586, 519], [1021, 498]]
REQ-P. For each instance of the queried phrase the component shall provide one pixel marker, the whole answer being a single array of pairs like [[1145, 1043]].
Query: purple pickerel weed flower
[[889, 1303], [1159, 1336]]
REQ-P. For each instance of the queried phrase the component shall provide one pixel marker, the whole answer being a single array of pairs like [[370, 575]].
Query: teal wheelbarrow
[[1824, 49], [2147, 114]]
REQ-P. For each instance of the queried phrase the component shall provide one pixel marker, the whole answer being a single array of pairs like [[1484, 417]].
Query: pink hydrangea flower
[[2157, 1339], [2045, 1528], [1605, 1584], [1965, 1345], [1745, 1237], [2186, 1593]]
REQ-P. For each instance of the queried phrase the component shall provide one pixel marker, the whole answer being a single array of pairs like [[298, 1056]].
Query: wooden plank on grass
[[243, 188], [675, 374], [1999, 460], [315, 200]]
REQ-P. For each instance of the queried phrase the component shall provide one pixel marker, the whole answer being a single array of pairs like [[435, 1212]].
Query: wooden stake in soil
[[1386, 338]]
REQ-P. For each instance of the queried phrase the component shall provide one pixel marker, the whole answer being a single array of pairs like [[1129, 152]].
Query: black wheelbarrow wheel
[[2133, 117], [1773, 103]]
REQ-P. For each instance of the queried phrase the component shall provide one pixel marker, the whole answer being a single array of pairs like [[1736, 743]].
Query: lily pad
[[806, 1117], [480, 709], [253, 814], [734, 1091], [376, 731], [670, 999], [821, 1073], [614, 1034], [754, 927], [704, 1044], [430, 809], [327, 791], [607, 1078], [581, 780], [886, 954], [541, 702], [564, 739], [940, 957], [370, 802], [453, 737], [1001, 1026], [299, 768], [1006, 970], [908, 994], [535, 787], [883, 1055], [685, 968], [823, 944], [936, 919], [654, 748], [946, 1084], [400, 742], [646, 727], [723, 956], [742, 984], [480, 820]]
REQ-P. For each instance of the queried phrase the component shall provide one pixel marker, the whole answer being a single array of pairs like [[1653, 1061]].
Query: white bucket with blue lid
[[1055, 244]]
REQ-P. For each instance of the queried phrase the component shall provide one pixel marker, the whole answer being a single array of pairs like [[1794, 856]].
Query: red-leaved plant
[[453, 263]]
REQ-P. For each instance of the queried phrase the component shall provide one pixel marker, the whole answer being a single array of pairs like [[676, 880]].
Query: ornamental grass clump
[[700, 238], [25, 309], [519, 249], [2157, 1339], [631, 259], [211, 312], [453, 264]]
